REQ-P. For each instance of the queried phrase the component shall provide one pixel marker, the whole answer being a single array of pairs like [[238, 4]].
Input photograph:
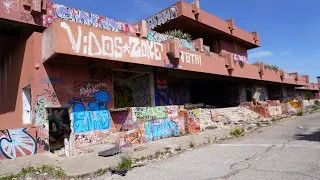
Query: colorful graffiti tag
[[160, 129], [60, 11], [17, 143], [149, 113], [162, 17], [159, 37], [123, 95], [91, 113], [193, 121]]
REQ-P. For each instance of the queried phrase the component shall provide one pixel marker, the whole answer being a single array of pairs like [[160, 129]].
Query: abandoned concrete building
[[72, 79]]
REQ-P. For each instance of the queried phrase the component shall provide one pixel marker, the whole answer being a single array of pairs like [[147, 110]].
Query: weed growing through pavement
[[126, 162]]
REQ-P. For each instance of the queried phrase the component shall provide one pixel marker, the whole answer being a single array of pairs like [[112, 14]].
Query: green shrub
[[308, 95], [125, 163], [237, 132], [179, 34], [300, 113]]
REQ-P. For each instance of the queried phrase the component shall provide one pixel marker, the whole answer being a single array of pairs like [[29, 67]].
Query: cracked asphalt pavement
[[287, 150]]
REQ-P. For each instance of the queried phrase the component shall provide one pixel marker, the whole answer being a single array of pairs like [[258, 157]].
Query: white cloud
[[260, 54]]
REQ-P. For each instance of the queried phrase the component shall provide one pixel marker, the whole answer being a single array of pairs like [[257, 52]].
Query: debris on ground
[[110, 152]]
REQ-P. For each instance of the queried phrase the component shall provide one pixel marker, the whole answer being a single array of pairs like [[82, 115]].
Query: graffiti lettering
[[193, 121], [92, 115], [36, 5], [142, 91], [98, 74], [62, 12], [238, 57], [158, 37], [17, 143], [91, 89], [189, 58], [162, 17], [123, 96], [51, 80], [26, 17], [40, 111], [11, 4], [149, 113], [113, 47], [160, 129]]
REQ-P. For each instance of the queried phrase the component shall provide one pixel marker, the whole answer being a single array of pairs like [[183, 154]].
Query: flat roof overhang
[[69, 38], [191, 19]]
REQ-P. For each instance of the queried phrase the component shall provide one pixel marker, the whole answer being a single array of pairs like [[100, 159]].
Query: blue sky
[[288, 29]]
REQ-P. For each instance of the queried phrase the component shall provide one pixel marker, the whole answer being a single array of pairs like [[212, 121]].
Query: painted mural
[[132, 92], [87, 91], [82, 17], [162, 97], [193, 121], [141, 95], [159, 129], [91, 113], [16, 143], [123, 94], [144, 124]]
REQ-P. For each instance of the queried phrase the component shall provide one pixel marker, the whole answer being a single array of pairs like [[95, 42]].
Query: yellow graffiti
[[295, 104]]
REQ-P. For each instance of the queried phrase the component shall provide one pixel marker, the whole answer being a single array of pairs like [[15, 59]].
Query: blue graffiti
[[83, 17], [102, 96], [160, 129], [64, 13], [110, 24], [93, 115]]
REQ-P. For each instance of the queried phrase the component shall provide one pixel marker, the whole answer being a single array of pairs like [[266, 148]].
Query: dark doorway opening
[[249, 96], [220, 94], [59, 130]]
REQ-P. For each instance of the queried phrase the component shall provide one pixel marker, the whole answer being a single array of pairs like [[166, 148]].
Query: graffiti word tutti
[[162, 17], [113, 47], [190, 58]]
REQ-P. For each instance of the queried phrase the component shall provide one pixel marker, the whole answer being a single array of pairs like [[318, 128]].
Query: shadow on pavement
[[315, 136]]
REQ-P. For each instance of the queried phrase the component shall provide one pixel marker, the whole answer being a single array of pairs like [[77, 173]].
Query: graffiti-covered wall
[[173, 91], [133, 92], [248, 93], [87, 92], [144, 124]]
